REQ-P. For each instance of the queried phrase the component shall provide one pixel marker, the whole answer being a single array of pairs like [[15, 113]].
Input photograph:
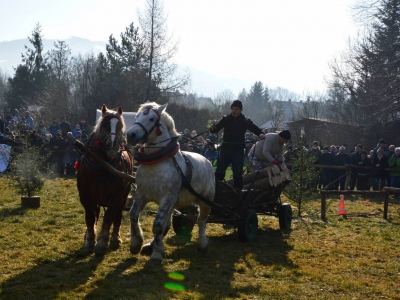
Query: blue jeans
[[379, 183], [395, 181], [326, 178]]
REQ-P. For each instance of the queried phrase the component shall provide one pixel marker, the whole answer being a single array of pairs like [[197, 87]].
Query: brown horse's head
[[110, 131]]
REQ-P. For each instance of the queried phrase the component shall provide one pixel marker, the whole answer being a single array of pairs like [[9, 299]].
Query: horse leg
[[116, 240], [160, 226], [202, 241], [147, 249], [90, 234], [104, 235], [136, 231]]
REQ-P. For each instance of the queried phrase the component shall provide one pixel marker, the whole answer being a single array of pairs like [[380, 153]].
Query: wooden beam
[[103, 163]]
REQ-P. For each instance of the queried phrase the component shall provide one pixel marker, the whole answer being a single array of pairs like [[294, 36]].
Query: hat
[[237, 103], [315, 143], [392, 146], [364, 152], [326, 148], [382, 141], [80, 132], [58, 133], [397, 149], [359, 145], [285, 134], [247, 133]]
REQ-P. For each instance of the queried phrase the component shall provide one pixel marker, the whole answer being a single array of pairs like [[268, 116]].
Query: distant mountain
[[10, 52], [202, 82]]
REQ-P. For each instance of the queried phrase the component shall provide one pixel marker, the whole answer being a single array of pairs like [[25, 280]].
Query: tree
[[59, 88], [3, 90], [368, 73], [221, 102], [28, 85], [121, 73], [277, 115], [159, 50]]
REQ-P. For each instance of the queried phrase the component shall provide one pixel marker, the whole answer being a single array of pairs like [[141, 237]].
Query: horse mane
[[168, 120], [109, 112]]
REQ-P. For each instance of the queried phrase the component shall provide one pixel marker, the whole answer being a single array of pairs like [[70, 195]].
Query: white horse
[[159, 180]]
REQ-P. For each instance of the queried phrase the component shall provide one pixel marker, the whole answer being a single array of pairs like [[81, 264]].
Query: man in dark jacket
[[85, 128], [233, 144], [341, 159], [326, 159], [381, 145], [363, 174], [65, 127], [355, 158], [57, 146]]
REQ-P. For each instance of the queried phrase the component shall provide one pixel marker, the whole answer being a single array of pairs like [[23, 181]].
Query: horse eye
[[151, 119]]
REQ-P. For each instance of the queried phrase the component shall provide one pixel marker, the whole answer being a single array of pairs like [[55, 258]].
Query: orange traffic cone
[[342, 209]]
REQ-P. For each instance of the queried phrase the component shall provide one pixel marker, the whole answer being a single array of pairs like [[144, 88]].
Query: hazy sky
[[286, 43]]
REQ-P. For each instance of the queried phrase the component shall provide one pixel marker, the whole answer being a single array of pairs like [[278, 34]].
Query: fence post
[[323, 205], [347, 182], [386, 205]]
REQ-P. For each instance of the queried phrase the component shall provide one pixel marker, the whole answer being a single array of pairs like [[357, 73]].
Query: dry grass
[[354, 258]]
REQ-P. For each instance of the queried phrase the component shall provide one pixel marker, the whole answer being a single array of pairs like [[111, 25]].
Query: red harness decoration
[[168, 155]]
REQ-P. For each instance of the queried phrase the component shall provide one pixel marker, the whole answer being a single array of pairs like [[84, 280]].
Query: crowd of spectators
[[55, 140], [376, 168]]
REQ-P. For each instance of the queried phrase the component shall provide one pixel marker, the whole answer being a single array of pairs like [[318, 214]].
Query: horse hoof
[[114, 244], [147, 250], [88, 250], [154, 262], [135, 250], [203, 250], [99, 251]]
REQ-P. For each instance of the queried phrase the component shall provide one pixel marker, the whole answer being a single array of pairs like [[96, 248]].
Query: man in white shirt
[[269, 150]]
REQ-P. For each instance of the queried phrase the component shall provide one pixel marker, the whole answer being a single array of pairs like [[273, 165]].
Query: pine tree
[[28, 86]]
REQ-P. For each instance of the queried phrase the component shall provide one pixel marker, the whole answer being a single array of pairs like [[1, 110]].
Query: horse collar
[[157, 156]]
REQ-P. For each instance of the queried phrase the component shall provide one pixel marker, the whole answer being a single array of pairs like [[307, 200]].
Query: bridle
[[156, 125], [100, 142]]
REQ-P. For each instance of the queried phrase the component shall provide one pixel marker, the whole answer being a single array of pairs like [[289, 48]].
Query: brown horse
[[97, 187]]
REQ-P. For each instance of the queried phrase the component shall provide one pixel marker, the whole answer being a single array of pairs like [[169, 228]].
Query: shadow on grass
[[17, 211], [49, 278], [207, 276], [212, 274]]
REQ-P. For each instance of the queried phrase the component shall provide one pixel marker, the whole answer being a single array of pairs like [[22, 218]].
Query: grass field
[[354, 258]]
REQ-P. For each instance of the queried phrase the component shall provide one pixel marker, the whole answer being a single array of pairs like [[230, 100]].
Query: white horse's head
[[152, 122]]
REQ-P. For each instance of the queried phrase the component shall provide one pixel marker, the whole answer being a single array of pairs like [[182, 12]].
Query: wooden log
[[247, 178], [262, 184], [392, 190], [352, 192], [103, 163]]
